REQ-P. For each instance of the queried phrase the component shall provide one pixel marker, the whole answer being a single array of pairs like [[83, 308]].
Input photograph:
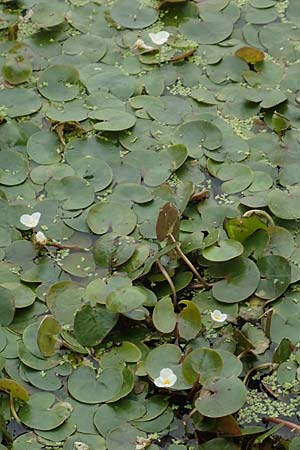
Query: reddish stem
[[286, 423]]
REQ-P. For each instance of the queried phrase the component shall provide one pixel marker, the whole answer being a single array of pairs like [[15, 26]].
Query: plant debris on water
[[149, 224]]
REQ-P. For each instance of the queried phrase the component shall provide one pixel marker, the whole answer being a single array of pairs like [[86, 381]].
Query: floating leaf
[[112, 120], [133, 14], [241, 280], [111, 216], [59, 82], [91, 325], [284, 204], [223, 251], [41, 413], [126, 299], [86, 388], [221, 396], [202, 364]]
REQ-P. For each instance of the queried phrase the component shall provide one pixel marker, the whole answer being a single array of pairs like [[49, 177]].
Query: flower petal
[[159, 38], [218, 316], [173, 379], [25, 219], [41, 238], [30, 221], [166, 373], [159, 382], [36, 218]]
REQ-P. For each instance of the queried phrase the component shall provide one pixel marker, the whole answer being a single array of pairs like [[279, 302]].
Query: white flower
[[30, 221], [40, 238], [140, 44], [167, 378], [218, 316], [159, 38]]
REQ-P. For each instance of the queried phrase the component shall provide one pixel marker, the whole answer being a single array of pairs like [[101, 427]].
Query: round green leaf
[[92, 47], [237, 177], [64, 299], [220, 397], [210, 31], [85, 387], [223, 251], [111, 216], [74, 192], [59, 83], [285, 204], [19, 101], [112, 120], [197, 136], [133, 14], [41, 413], [78, 264], [241, 280], [126, 299], [202, 363], [23, 295], [112, 250], [91, 325], [95, 171], [108, 417], [43, 147], [13, 168], [47, 15]]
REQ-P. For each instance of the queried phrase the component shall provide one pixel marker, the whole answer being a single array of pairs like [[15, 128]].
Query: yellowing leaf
[[250, 54], [13, 388]]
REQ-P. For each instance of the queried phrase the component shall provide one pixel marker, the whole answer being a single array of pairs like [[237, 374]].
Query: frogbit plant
[[149, 226]]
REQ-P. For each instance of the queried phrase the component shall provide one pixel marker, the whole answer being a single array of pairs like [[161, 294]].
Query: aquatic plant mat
[[149, 224]]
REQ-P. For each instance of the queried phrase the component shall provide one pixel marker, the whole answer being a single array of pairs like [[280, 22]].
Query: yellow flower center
[[166, 381]]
